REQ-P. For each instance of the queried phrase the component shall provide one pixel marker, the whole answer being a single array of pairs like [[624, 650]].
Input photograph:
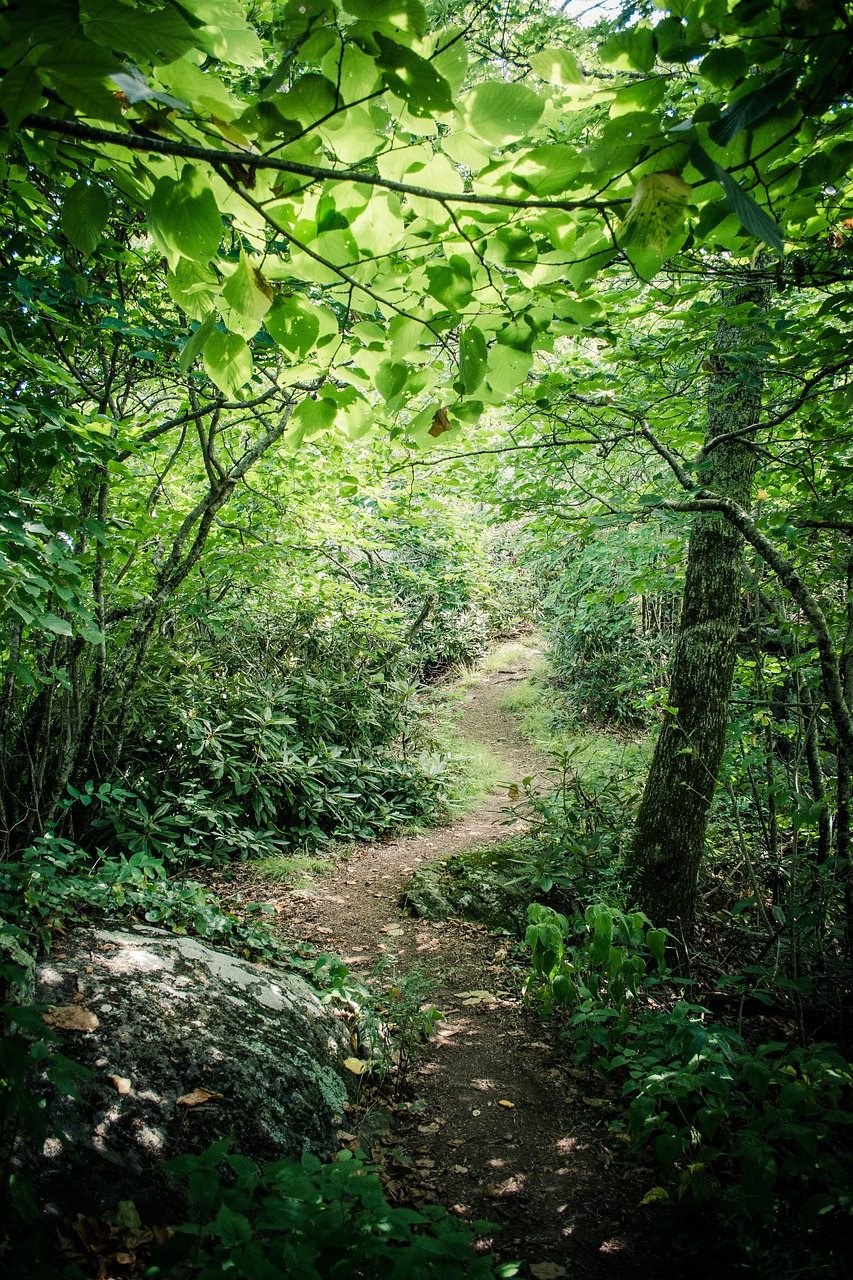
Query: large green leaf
[[193, 287], [184, 219], [472, 358], [194, 345], [403, 15], [501, 112], [246, 298], [21, 93], [159, 35], [413, 79], [451, 285], [294, 324], [228, 362], [630, 50], [78, 71], [556, 66], [753, 107], [752, 216], [724, 66], [310, 418], [85, 212]]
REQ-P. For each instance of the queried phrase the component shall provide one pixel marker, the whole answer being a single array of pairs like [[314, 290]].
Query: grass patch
[[596, 754], [514, 654], [480, 771], [296, 869]]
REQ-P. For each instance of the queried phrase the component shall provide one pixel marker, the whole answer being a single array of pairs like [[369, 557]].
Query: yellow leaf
[[356, 1066], [762, 494], [656, 211], [196, 1098], [656, 1194], [502, 1102]]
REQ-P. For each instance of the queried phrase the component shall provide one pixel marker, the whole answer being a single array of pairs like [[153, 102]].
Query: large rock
[[171, 1021]]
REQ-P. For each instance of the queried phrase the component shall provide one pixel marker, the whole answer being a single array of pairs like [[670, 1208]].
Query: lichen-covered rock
[[481, 884], [186, 1045]]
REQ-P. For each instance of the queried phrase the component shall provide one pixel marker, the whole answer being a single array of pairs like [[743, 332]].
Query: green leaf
[[556, 66], [724, 67], [194, 287], [21, 93], [630, 50], [78, 70], [228, 362], [507, 368], [309, 418], [451, 285], [184, 219], [294, 324], [232, 1228], [501, 112], [413, 79], [159, 35], [752, 107], [752, 216], [59, 626], [404, 15], [247, 297], [472, 358], [194, 345], [85, 212]]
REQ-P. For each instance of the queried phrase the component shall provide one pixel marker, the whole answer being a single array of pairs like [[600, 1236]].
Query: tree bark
[[662, 864]]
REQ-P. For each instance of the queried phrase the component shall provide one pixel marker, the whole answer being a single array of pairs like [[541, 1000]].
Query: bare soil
[[501, 1128]]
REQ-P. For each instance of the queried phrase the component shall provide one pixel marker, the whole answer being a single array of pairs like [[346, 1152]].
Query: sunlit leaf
[[228, 362], [85, 212]]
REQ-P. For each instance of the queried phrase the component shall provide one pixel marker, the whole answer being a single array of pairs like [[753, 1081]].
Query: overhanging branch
[[317, 173]]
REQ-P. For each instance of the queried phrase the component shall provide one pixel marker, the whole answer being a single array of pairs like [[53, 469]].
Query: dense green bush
[[610, 618], [314, 1221], [272, 735], [761, 1138]]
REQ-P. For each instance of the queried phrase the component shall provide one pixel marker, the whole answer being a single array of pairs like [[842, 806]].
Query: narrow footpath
[[502, 1128]]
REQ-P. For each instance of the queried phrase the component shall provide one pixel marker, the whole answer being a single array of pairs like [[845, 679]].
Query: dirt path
[[541, 1167]]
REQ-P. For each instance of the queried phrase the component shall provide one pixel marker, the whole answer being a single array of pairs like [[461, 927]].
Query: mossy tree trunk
[[662, 865]]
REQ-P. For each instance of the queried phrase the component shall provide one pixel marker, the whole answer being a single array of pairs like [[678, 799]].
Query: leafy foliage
[[313, 1220]]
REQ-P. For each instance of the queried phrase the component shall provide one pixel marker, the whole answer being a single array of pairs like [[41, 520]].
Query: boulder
[[186, 1045]]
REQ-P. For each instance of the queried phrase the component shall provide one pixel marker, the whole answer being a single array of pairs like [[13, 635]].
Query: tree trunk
[[662, 864]]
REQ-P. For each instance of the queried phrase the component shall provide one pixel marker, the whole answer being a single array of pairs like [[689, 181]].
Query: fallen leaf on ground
[[503, 1102], [460, 1168], [546, 1270], [356, 1066], [70, 1017], [478, 997], [121, 1083], [196, 1097]]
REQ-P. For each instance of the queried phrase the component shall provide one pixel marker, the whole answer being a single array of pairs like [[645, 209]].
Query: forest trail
[[543, 1167]]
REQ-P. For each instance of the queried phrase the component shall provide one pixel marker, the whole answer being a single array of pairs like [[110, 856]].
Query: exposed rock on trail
[[185, 1045]]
